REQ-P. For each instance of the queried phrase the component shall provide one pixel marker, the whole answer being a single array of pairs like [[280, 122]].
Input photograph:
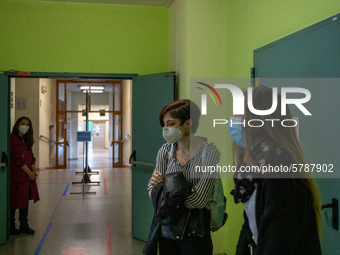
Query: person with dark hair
[[190, 233], [282, 210], [23, 185]]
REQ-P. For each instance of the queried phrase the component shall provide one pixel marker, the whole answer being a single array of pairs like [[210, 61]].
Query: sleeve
[[285, 208], [205, 185], [33, 159], [242, 247], [18, 153], [161, 161]]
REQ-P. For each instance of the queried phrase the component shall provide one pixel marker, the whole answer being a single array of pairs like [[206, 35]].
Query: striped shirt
[[167, 163]]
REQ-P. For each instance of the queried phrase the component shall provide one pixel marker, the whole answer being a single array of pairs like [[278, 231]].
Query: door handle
[[4, 160], [132, 156], [132, 161], [335, 210]]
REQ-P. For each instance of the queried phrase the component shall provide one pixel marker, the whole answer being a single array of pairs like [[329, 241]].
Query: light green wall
[[199, 28], [251, 24], [78, 37], [172, 23], [178, 16], [213, 38], [205, 58], [205, 39], [198, 52]]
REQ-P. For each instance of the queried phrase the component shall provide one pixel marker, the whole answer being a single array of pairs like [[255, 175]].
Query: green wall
[[199, 52], [251, 24], [214, 38], [44, 36]]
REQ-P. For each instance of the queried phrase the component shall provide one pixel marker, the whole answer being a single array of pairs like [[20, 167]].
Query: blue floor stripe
[[37, 251], [68, 185], [72, 172]]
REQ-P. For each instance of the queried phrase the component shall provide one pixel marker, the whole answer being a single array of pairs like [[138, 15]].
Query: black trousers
[[23, 214], [189, 245]]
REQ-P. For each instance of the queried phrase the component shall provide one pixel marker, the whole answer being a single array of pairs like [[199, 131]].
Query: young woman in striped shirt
[[181, 153]]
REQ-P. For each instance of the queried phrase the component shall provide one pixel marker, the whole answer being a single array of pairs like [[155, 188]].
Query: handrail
[[50, 140], [127, 136], [132, 162]]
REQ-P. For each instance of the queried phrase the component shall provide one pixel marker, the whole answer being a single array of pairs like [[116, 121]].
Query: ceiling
[[163, 3]]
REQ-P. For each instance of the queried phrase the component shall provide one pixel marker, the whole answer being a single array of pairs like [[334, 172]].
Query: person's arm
[[18, 152], [31, 175], [156, 178], [34, 170], [18, 156], [160, 167], [205, 185], [284, 205], [285, 209], [33, 161], [242, 247]]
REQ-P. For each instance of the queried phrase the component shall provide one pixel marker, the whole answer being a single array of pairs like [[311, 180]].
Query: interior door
[[4, 153], [150, 93], [313, 52], [99, 135], [61, 149]]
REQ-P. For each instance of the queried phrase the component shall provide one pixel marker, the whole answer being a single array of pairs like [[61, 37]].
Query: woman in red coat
[[23, 186]]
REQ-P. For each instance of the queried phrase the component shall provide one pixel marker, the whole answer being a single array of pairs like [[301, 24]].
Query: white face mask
[[172, 134], [23, 129]]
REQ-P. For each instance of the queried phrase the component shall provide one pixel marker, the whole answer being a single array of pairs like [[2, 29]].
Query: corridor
[[93, 224]]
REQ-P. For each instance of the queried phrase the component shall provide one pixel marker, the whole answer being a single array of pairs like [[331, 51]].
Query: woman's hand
[[32, 176], [156, 178]]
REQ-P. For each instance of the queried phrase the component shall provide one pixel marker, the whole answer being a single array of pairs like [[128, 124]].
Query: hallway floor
[[93, 224], [98, 158]]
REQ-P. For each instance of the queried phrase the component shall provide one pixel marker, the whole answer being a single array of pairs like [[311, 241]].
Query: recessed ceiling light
[[93, 91], [92, 87]]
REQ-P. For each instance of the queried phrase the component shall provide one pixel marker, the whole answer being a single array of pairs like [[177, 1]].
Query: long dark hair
[[28, 137], [284, 136]]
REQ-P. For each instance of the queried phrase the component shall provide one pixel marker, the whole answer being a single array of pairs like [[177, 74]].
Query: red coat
[[21, 185]]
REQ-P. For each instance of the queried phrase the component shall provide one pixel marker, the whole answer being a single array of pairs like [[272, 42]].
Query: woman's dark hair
[[28, 137], [183, 110]]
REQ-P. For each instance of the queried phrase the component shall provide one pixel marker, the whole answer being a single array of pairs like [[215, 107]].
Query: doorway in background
[[104, 100]]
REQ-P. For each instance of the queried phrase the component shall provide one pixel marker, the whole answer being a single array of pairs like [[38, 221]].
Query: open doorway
[[35, 99], [110, 121]]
